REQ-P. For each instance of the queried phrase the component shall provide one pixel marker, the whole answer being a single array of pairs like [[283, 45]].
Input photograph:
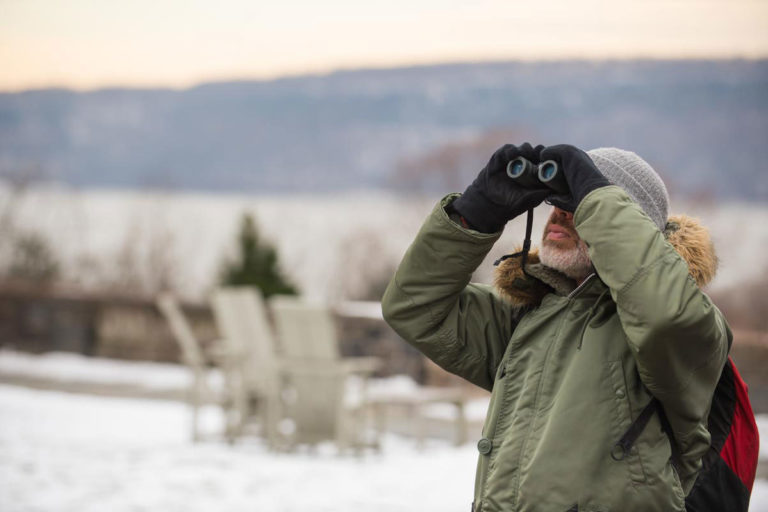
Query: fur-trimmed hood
[[686, 234]]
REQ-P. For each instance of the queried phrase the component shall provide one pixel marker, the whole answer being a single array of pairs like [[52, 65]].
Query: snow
[[759, 501], [62, 452], [54, 367], [762, 427], [61, 366], [360, 309], [81, 453], [66, 452]]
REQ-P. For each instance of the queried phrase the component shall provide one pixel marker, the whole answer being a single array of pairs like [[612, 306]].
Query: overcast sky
[[95, 43]]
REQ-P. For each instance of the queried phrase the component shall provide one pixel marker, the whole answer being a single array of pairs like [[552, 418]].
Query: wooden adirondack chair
[[200, 392], [319, 375], [241, 318]]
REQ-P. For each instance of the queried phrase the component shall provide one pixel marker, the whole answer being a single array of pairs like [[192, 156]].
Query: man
[[576, 344]]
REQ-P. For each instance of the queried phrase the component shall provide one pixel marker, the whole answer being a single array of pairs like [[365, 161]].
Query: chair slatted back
[[307, 334], [191, 352], [304, 330], [241, 317]]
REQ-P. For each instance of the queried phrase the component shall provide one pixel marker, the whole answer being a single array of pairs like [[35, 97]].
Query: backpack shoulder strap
[[667, 428], [622, 447]]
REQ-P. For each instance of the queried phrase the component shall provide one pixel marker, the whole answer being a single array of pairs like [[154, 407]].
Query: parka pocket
[[618, 398]]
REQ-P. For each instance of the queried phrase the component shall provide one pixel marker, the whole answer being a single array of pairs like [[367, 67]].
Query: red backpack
[[728, 468]]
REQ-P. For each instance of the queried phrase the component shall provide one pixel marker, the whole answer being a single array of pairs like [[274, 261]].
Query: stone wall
[[108, 325]]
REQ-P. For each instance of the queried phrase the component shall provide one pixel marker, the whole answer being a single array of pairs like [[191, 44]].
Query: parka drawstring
[[588, 318]]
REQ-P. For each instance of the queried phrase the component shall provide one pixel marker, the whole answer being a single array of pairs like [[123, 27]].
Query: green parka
[[570, 370]]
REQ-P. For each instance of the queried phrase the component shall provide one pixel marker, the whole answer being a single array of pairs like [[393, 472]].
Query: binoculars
[[529, 175]]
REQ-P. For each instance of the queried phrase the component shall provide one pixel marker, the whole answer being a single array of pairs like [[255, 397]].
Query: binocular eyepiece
[[529, 175]]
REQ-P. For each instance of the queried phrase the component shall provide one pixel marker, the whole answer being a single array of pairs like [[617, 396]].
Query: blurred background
[[157, 158]]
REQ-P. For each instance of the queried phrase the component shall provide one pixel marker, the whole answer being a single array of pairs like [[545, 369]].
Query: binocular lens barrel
[[547, 171], [516, 167], [529, 175], [551, 176], [523, 172]]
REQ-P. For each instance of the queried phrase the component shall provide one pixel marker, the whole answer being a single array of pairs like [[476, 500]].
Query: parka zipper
[[569, 296], [582, 285], [545, 362], [590, 313]]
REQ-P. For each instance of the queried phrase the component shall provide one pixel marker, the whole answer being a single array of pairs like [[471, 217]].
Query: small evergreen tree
[[256, 264]]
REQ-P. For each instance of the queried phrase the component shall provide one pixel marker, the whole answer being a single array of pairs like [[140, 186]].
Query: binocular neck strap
[[527, 241], [526, 244]]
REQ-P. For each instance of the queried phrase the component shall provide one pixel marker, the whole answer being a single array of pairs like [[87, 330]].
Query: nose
[[563, 214]]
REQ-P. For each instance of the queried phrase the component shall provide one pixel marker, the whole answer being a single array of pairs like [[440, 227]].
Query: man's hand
[[494, 198], [580, 173]]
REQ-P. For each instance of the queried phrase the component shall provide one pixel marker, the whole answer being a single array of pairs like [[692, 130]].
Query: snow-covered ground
[[65, 452], [332, 246], [68, 367], [99, 374], [79, 453], [62, 452]]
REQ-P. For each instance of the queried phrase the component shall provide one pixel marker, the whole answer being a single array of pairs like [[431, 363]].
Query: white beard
[[573, 262]]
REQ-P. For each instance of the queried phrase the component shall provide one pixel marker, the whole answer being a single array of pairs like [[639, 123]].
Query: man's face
[[561, 247], [559, 231]]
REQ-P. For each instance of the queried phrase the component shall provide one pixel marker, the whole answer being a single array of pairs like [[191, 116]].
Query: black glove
[[580, 173], [494, 198]]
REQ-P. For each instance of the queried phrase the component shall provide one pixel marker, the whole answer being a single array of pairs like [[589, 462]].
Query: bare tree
[[452, 166], [146, 261], [33, 260], [17, 180], [364, 270], [24, 255]]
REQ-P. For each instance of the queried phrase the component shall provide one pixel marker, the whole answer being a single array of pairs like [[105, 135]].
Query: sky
[[87, 44]]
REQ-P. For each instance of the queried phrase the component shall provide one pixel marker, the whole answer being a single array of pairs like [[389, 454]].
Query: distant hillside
[[703, 124]]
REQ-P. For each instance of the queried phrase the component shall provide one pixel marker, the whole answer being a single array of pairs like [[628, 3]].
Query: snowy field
[[54, 370], [70, 367], [62, 453], [67, 452], [332, 246]]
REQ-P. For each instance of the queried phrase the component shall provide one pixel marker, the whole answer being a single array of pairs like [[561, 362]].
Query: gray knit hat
[[637, 178]]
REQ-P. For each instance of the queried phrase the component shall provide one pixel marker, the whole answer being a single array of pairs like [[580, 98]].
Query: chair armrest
[[223, 356], [424, 395], [365, 366], [305, 367], [362, 366]]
